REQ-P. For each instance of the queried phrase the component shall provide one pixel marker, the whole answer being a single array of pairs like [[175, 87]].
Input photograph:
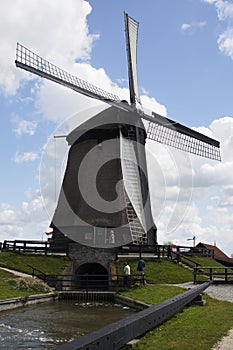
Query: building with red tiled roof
[[219, 255]]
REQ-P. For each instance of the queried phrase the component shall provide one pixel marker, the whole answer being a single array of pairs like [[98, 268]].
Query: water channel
[[48, 325]]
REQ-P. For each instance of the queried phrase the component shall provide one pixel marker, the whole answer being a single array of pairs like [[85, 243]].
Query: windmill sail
[[30, 61], [160, 129], [176, 135], [131, 32]]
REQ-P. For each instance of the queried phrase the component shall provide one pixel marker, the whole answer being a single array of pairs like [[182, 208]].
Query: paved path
[[221, 292], [17, 273], [216, 291]]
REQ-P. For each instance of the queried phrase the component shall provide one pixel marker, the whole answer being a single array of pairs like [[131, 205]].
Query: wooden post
[[195, 275], [211, 273], [226, 274], [158, 251]]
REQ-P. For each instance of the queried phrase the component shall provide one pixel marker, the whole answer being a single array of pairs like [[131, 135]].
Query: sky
[[185, 72]]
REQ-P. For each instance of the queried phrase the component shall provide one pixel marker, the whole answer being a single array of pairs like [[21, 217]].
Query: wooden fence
[[87, 281], [157, 251], [165, 251], [217, 275], [34, 246]]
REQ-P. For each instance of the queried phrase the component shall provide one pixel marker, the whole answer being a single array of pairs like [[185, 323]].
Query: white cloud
[[28, 222], [57, 102], [197, 197], [224, 8], [25, 157], [7, 216], [59, 23], [22, 126], [193, 25], [225, 42], [185, 26], [29, 22], [225, 14], [151, 104]]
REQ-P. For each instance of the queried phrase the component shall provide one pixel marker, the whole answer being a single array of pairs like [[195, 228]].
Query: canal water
[[48, 325]]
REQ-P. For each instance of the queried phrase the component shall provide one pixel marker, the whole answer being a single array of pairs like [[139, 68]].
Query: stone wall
[[80, 254]]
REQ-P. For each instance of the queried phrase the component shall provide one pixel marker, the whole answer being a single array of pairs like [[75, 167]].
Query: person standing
[[126, 274], [141, 269]]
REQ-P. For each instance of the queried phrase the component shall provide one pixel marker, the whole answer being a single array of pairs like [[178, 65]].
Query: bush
[[29, 284]]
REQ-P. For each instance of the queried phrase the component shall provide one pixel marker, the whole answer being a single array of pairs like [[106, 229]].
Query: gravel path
[[221, 292]]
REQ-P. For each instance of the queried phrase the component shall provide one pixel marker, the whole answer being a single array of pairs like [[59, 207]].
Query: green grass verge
[[194, 328], [160, 271], [152, 294], [203, 262], [50, 264], [12, 286]]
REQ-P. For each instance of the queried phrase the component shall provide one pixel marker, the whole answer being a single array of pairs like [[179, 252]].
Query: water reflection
[[48, 325]]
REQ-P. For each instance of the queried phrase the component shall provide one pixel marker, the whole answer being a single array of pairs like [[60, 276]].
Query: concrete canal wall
[[13, 303], [79, 296]]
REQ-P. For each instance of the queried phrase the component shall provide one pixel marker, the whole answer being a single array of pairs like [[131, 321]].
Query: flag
[[49, 233]]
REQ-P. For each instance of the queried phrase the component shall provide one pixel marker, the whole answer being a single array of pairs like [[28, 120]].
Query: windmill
[[130, 216]]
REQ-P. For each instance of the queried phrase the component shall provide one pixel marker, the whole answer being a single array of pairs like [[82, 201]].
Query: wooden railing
[[217, 275], [158, 251], [87, 281], [34, 246], [163, 251], [191, 263]]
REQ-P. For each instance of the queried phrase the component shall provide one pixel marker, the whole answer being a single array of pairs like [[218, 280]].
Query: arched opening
[[92, 276]]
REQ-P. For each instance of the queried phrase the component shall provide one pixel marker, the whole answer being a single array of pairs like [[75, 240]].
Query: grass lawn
[[153, 294], [203, 262], [194, 328], [12, 286], [50, 264], [160, 271]]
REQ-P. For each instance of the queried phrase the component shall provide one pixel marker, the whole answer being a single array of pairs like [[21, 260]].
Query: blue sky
[[185, 71]]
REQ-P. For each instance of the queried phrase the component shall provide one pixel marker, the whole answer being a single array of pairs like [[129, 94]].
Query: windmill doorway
[[92, 276]]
